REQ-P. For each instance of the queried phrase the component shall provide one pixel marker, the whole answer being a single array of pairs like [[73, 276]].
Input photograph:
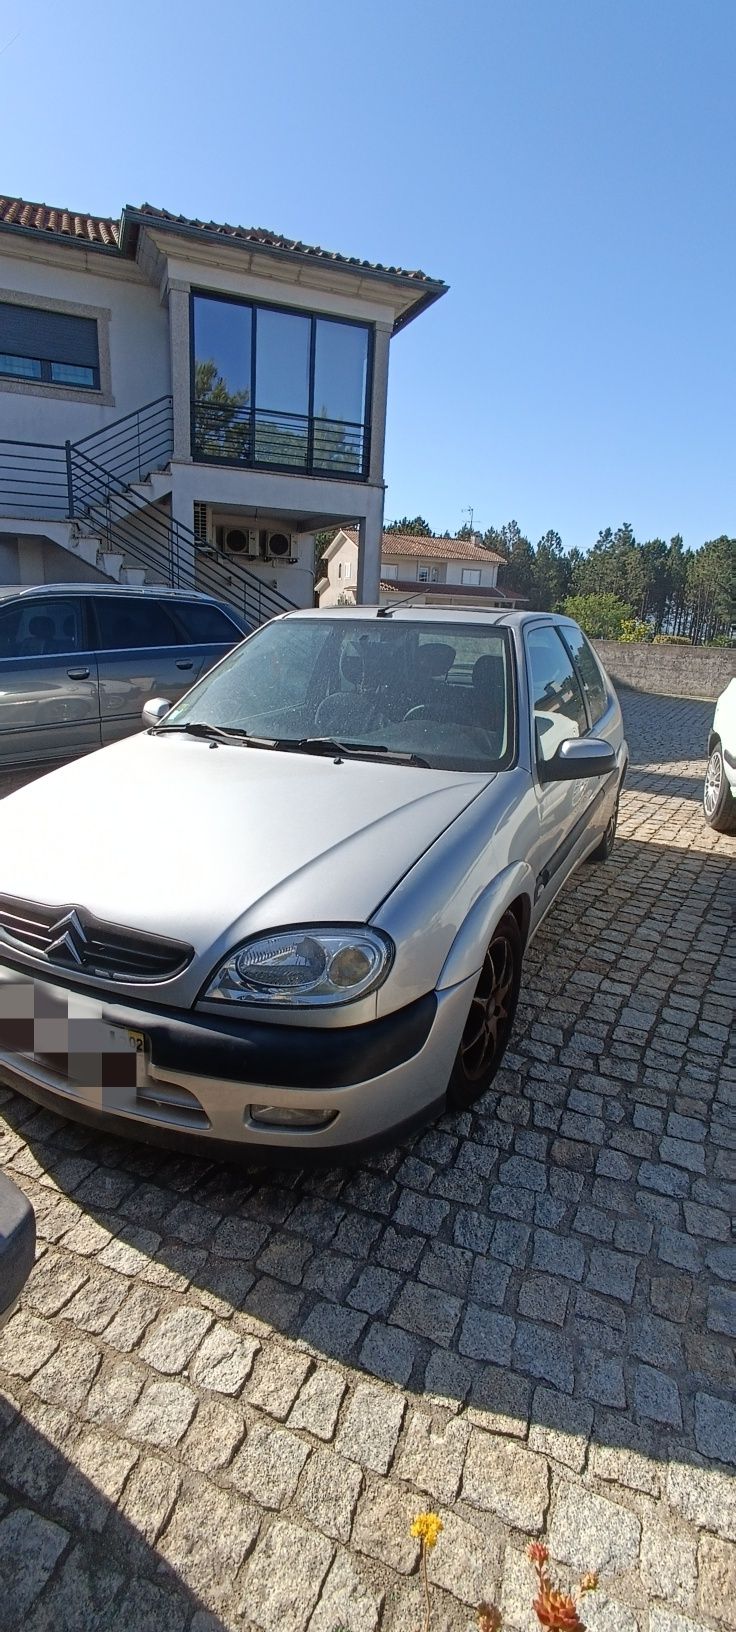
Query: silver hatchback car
[[336, 848], [78, 661]]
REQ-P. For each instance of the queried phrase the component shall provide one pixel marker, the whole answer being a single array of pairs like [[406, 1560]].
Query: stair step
[[132, 575], [87, 546], [111, 563]]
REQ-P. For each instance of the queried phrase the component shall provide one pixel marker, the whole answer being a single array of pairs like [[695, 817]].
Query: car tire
[[719, 804], [603, 850], [491, 1017]]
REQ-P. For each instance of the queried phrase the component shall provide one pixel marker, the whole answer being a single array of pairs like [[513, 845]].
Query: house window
[[389, 572], [423, 575], [279, 388], [347, 569], [51, 348], [470, 575]]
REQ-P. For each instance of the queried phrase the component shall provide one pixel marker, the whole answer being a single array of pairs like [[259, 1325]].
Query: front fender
[[469, 946]]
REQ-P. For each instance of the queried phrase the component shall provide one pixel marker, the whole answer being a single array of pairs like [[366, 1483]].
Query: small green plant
[[600, 616], [672, 640], [633, 629]]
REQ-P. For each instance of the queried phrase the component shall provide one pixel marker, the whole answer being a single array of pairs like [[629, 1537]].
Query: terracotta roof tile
[[431, 549], [106, 233], [45, 218], [267, 239]]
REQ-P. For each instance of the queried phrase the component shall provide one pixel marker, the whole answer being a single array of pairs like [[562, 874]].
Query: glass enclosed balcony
[[280, 389]]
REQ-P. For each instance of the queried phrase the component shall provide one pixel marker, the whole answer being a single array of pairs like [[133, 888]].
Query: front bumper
[[192, 1080]]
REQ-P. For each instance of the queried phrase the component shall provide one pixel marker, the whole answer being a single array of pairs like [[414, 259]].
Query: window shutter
[[51, 336]]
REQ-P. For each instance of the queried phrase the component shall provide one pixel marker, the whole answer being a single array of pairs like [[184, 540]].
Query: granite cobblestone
[[227, 1391]]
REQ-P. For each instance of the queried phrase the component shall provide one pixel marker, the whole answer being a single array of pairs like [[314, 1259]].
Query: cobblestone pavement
[[227, 1392]]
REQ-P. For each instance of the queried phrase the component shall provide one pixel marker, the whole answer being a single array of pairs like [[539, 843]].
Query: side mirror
[[579, 756], [154, 710]]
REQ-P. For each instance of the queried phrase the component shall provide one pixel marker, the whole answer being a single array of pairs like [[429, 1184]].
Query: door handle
[[78, 674], [182, 663]]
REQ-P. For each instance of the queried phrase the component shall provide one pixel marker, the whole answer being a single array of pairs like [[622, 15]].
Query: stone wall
[[670, 671]]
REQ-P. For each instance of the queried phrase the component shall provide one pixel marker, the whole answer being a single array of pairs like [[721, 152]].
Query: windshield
[[441, 694]]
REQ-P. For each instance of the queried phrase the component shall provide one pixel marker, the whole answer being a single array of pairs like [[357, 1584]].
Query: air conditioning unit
[[236, 540], [280, 546]]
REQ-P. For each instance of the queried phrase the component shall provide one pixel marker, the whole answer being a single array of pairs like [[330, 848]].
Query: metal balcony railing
[[268, 439]]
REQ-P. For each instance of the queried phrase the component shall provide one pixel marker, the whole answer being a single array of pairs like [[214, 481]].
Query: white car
[[293, 912], [719, 792]]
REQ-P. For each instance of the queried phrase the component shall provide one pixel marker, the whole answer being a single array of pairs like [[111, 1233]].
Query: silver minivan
[[79, 661]]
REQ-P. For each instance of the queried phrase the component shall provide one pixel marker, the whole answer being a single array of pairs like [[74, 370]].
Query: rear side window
[[127, 623], [42, 628], [590, 674], [559, 709], [206, 625]]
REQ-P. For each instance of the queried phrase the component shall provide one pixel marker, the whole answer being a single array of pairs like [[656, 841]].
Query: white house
[[189, 403], [453, 571]]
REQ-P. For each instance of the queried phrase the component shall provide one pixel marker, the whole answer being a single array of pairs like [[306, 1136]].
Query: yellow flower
[[426, 1527], [589, 1582]]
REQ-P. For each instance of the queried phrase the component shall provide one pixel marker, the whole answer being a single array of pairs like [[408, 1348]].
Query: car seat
[[39, 640]]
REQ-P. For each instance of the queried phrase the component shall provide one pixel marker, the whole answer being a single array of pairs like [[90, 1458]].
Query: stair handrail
[[135, 527], [164, 535], [112, 424]]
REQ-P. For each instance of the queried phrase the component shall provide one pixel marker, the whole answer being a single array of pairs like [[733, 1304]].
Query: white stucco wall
[[347, 554], [488, 575], [138, 333]]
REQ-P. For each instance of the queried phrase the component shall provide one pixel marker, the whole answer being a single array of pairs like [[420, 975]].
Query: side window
[[124, 623], [42, 628], [206, 625], [9, 625], [590, 674], [557, 700]]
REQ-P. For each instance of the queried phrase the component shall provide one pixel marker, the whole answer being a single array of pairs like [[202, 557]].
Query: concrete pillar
[[378, 408], [184, 555], [370, 538], [180, 369]]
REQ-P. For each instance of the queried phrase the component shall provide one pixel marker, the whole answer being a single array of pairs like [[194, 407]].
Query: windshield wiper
[[217, 733], [355, 750]]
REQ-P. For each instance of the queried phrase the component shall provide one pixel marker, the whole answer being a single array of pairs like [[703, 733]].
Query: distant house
[[445, 571]]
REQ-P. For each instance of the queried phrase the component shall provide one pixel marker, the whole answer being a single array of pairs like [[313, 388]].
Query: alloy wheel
[[713, 783], [490, 1011]]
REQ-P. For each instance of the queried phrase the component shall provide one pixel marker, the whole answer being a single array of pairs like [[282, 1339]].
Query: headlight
[[304, 968]]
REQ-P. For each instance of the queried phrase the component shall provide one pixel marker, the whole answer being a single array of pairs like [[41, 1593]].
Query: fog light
[[290, 1116]]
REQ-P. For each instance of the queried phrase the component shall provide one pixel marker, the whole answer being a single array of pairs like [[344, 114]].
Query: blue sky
[[566, 165]]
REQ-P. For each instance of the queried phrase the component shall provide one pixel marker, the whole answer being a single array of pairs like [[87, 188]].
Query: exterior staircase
[[104, 498]]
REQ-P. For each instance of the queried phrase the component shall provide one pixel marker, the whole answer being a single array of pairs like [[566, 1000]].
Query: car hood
[[172, 835]]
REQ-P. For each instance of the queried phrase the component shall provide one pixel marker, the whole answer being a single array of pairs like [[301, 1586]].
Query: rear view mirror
[[154, 710], [579, 756]]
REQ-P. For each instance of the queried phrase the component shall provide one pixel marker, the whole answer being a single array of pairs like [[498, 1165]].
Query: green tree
[[600, 615], [710, 589], [551, 572], [415, 527], [221, 428], [517, 573]]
